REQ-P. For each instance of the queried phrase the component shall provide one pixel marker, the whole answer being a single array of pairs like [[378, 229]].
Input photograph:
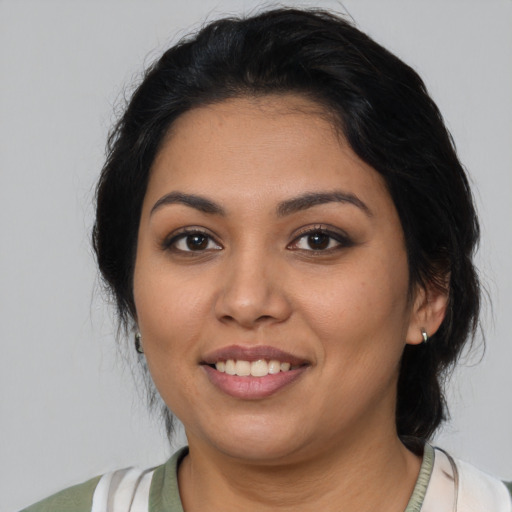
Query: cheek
[[361, 325], [361, 314], [170, 316], [170, 310], [355, 303]]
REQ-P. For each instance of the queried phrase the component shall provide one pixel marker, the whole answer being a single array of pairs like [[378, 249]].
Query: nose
[[253, 292]]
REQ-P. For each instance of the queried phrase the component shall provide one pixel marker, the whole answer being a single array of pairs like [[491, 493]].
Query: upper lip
[[254, 353]]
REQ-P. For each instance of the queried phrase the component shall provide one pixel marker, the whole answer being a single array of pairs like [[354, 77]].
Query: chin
[[258, 440], [264, 452]]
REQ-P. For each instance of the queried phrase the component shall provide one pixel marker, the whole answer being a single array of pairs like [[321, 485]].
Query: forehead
[[259, 148]]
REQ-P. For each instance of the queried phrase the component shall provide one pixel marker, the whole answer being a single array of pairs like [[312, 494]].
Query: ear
[[427, 313]]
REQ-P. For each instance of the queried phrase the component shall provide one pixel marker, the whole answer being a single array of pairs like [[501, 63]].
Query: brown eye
[[196, 242], [318, 241], [192, 242]]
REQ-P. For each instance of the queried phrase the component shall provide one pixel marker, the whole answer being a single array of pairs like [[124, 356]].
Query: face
[[271, 282]]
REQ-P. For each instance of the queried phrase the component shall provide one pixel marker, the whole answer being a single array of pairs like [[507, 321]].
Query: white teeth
[[274, 367], [258, 368], [230, 367], [243, 368]]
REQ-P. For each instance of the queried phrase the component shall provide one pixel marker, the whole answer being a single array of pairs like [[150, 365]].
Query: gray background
[[70, 407]]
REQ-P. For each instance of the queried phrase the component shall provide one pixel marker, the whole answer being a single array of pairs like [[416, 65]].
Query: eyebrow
[[284, 208], [198, 202], [311, 199]]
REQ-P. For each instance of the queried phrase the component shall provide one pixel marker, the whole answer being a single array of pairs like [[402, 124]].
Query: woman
[[286, 229]]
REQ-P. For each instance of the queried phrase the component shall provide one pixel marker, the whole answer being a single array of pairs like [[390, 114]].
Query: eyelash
[[341, 240]]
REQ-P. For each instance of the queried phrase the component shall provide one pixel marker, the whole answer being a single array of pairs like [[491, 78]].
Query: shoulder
[[124, 489], [76, 499], [118, 490], [473, 489], [476, 486]]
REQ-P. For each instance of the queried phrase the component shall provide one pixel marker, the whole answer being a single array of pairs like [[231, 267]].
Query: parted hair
[[382, 108]]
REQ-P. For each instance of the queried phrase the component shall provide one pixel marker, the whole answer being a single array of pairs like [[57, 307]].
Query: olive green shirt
[[164, 493]]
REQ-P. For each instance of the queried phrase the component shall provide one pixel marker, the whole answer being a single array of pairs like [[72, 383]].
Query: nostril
[[262, 318], [252, 304]]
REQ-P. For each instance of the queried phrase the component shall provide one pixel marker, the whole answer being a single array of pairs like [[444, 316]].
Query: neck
[[348, 476]]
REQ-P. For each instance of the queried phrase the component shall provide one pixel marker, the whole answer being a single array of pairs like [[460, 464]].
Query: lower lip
[[252, 388]]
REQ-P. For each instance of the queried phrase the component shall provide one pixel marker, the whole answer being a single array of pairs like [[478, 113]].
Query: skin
[[327, 440]]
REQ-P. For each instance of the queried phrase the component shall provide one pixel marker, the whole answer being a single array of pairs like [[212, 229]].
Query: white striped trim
[[125, 490], [457, 486], [141, 499], [442, 488], [100, 496]]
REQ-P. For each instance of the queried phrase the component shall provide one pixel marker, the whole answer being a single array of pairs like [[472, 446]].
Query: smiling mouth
[[258, 368], [253, 373]]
